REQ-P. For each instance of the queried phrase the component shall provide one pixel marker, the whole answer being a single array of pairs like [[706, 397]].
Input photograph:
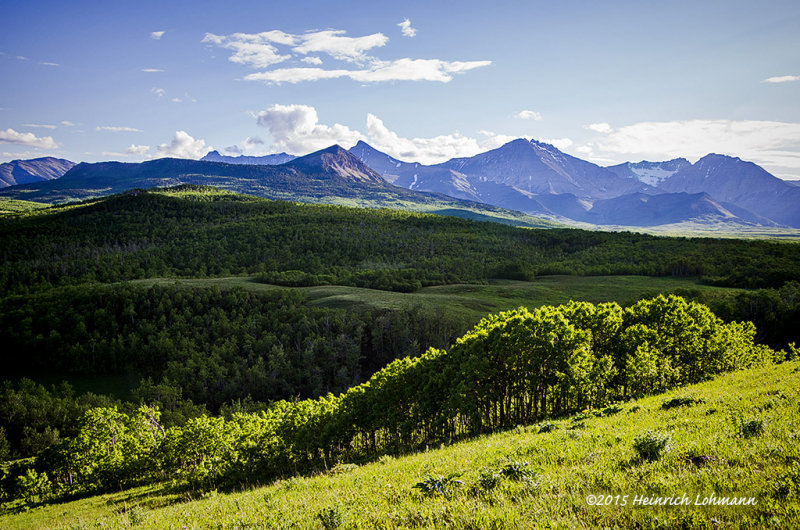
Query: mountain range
[[526, 176], [537, 178], [332, 175], [34, 170]]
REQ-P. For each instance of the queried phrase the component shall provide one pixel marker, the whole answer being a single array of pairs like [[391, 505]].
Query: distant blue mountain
[[34, 170], [266, 160]]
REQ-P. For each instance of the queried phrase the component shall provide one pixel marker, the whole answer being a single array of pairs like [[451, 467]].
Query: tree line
[[205, 233]]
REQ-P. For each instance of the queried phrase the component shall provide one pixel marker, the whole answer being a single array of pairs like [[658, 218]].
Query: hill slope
[[552, 470]]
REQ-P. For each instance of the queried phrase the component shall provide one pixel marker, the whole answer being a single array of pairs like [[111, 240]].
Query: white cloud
[[559, 143], [255, 50], [528, 115], [152, 70], [782, 79], [158, 91], [22, 58], [406, 29], [602, 128], [66, 123], [110, 128], [39, 126], [157, 34], [46, 63], [10, 136], [335, 44], [494, 140], [260, 50], [184, 146], [424, 150], [138, 150], [769, 143], [296, 129], [381, 71], [176, 100]]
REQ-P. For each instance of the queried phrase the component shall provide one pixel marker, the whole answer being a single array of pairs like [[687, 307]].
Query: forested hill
[[202, 232]]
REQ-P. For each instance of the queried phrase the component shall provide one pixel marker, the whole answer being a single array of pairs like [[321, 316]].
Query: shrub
[[517, 471], [489, 479], [681, 401], [547, 427], [438, 485], [752, 427], [331, 518], [651, 445]]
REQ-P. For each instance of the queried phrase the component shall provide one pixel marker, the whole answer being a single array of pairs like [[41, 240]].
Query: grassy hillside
[[733, 437], [473, 302]]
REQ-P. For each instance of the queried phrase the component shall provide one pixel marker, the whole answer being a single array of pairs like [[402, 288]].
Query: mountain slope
[[34, 170], [650, 173], [537, 167], [742, 183], [640, 209]]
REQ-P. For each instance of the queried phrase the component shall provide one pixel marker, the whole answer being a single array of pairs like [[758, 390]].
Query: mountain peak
[[336, 161]]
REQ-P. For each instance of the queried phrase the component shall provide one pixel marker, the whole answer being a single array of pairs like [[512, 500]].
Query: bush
[[651, 445], [753, 427], [438, 485], [489, 479], [681, 401]]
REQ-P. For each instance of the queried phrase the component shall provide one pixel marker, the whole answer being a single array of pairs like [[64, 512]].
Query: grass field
[[475, 301], [737, 438]]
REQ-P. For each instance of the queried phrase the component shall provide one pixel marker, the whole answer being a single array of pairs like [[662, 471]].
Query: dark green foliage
[[750, 427], [651, 445], [681, 401], [157, 234], [439, 484], [517, 471]]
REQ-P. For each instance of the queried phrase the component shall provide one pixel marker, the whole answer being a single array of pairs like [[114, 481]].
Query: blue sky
[[605, 81]]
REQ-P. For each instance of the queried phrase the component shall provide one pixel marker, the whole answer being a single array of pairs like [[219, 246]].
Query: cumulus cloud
[[782, 79], [10, 136], [528, 115], [138, 150], [261, 51], [157, 34], [424, 150], [184, 146], [406, 29], [152, 70], [296, 129], [39, 125], [769, 143], [110, 128], [158, 91], [602, 128], [559, 143]]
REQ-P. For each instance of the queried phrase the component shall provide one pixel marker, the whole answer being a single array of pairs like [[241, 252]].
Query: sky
[[422, 81]]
